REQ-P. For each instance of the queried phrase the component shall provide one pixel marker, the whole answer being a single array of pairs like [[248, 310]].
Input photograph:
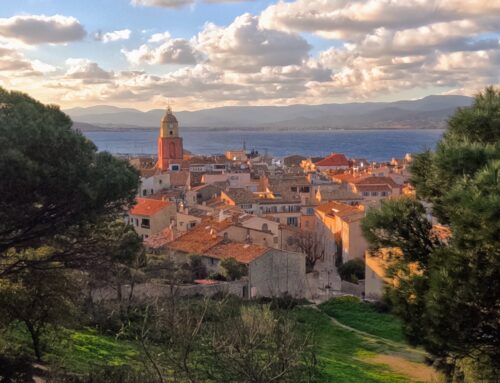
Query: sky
[[196, 54]]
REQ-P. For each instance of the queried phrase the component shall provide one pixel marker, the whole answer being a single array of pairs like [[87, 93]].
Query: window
[[383, 194], [374, 194], [212, 261], [292, 221], [265, 227], [160, 181], [145, 223], [144, 192], [152, 191], [310, 211], [294, 188], [275, 240], [366, 194]]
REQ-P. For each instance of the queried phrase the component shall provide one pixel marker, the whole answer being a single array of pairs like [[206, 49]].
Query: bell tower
[[170, 149]]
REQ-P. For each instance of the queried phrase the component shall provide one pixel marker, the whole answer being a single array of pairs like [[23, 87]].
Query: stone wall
[[353, 288], [278, 272], [152, 290]]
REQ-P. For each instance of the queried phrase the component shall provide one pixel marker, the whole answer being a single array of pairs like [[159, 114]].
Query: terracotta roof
[[339, 209], [205, 282], [346, 177], [149, 172], [201, 238], [242, 252], [179, 178], [334, 159], [148, 207], [375, 181], [378, 188], [240, 195], [159, 240]]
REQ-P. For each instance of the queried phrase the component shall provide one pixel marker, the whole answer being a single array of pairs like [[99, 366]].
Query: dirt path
[[378, 338], [414, 370], [417, 371]]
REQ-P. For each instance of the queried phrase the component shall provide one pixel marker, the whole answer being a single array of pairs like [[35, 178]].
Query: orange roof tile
[[205, 281], [376, 181], [242, 252], [148, 207], [341, 210], [334, 159], [159, 240], [362, 187], [201, 238]]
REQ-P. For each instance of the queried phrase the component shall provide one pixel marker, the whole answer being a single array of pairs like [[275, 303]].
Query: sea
[[373, 145]]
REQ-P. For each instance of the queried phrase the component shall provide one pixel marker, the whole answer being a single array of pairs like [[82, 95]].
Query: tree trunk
[[35, 339]]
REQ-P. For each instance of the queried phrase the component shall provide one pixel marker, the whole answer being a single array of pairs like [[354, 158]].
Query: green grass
[[77, 351], [343, 354], [362, 316], [81, 351]]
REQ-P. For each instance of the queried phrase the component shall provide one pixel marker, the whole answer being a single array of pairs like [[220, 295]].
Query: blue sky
[[219, 52]]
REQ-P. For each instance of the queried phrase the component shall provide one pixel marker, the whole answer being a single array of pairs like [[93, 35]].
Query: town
[[250, 191], [290, 223]]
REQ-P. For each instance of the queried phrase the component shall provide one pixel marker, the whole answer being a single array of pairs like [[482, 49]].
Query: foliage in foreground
[[366, 317], [447, 290]]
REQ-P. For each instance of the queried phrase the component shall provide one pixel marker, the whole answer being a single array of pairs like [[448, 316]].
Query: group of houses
[[257, 211]]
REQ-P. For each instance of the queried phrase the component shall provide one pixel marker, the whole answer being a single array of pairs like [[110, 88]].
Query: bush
[[234, 269], [352, 271], [283, 302], [217, 277], [198, 269]]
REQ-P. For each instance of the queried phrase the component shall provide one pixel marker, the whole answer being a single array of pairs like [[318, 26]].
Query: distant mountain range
[[427, 113]]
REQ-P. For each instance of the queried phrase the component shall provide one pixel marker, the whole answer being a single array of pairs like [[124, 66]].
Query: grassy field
[[345, 356], [350, 358], [77, 351], [363, 316]]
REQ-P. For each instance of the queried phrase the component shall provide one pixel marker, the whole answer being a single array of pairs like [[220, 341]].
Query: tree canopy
[[448, 290], [54, 181]]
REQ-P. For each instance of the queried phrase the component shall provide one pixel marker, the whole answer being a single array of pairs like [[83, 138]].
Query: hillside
[[426, 113]]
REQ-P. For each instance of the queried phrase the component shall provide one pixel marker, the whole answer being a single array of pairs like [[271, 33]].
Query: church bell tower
[[170, 150]]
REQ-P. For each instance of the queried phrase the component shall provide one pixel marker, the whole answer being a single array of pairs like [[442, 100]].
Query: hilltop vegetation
[[340, 355], [446, 289]]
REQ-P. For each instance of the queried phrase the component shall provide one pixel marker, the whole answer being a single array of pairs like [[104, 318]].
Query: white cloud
[[86, 70], [349, 19], [39, 29], [170, 51], [178, 3], [245, 46], [157, 37], [43, 67], [123, 34], [162, 3]]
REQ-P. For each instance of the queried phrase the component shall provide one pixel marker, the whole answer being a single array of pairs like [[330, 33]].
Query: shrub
[[234, 269], [198, 269], [352, 271], [217, 277]]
